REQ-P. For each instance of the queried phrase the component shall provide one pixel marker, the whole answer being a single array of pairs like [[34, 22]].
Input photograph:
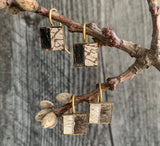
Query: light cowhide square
[[100, 113], [74, 124]]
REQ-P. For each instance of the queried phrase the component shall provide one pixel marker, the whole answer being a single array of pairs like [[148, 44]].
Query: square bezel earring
[[52, 38], [74, 124], [85, 54], [100, 112]]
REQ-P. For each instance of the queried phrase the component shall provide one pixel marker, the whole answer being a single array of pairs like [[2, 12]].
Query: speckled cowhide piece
[[100, 113], [52, 38], [74, 124], [85, 54]]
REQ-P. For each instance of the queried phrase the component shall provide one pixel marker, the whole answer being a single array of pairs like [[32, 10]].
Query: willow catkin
[[64, 98], [42, 114], [28, 5], [46, 104], [50, 120], [3, 4]]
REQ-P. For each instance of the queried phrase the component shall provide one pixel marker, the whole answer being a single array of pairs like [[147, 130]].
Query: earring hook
[[50, 16], [73, 107], [100, 91], [84, 33]]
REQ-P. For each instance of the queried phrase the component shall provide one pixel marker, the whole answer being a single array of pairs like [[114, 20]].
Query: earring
[[85, 54], [100, 112], [74, 124], [52, 38]]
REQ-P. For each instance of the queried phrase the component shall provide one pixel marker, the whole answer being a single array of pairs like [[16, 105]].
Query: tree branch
[[132, 49], [155, 13], [110, 84], [152, 4], [105, 37], [157, 64]]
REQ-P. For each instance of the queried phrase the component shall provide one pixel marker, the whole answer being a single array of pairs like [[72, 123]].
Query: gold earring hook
[[50, 16], [100, 91], [67, 51], [84, 33], [73, 107]]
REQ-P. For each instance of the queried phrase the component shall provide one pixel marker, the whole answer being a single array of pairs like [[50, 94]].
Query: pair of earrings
[[52, 39], [99, 113]]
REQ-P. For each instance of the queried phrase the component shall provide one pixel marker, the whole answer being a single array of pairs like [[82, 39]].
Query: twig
[[105, 37], [155, 13]]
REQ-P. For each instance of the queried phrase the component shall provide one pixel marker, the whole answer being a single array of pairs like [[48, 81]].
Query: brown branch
[[157, 66], [110, 84], [152, 4], [105, 37], [155, 13], [157, 63], [132, 49], [82, 98]]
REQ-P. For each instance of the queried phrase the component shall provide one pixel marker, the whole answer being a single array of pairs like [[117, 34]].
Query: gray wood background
[[29, 75]]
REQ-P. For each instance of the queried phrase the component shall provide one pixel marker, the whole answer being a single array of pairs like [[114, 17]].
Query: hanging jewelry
[[100, 112], [85, 54], [52, 38], [74, 124]]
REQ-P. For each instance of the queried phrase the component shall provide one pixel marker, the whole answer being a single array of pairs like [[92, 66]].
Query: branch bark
[[155, 13], [105, 37], [157, 66], [157, 63], [110, 84]]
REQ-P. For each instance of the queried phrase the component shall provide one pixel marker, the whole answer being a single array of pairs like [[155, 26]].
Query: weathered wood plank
[[33, 75], [6, 106]]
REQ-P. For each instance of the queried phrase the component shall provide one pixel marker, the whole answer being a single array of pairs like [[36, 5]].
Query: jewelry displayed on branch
[[52, 38], [85, 54], [74, 124], [100, 112]]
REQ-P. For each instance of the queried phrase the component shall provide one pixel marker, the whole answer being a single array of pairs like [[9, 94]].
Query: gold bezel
[[63, 38], [73, 55], [100, 103], [75, 115]]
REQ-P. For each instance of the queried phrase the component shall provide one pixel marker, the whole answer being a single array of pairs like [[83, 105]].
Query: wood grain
[[29, 75]]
